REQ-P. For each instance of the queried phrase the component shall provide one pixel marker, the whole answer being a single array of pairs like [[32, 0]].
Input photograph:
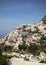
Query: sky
[[16, 12]]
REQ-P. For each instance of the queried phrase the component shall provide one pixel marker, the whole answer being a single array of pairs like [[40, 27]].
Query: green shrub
[[43, 43], [3, 59], [1, 47], [8, 48], [33, 49], [30, 49], [23, 46]]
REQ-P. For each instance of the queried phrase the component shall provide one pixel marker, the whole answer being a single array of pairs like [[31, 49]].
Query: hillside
[[27, 34]]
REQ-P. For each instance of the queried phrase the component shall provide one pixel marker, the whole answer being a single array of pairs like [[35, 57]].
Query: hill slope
[[28, 34]]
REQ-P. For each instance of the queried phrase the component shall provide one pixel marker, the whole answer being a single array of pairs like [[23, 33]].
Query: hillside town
[[24, 38]]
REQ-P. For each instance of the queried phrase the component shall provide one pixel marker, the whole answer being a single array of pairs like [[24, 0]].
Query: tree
[[36, 29], [2, 47], [43, 43], [8, 48], [33, 49], [22, 47], [3, 59]]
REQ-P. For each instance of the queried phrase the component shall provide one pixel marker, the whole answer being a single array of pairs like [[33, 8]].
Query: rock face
[[28, 33]]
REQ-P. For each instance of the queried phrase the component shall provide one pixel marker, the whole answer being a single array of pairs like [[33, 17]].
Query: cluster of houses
[[29, 33], [16, 36]]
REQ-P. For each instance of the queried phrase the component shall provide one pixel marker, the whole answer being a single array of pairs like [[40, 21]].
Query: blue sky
[[16, 12]]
